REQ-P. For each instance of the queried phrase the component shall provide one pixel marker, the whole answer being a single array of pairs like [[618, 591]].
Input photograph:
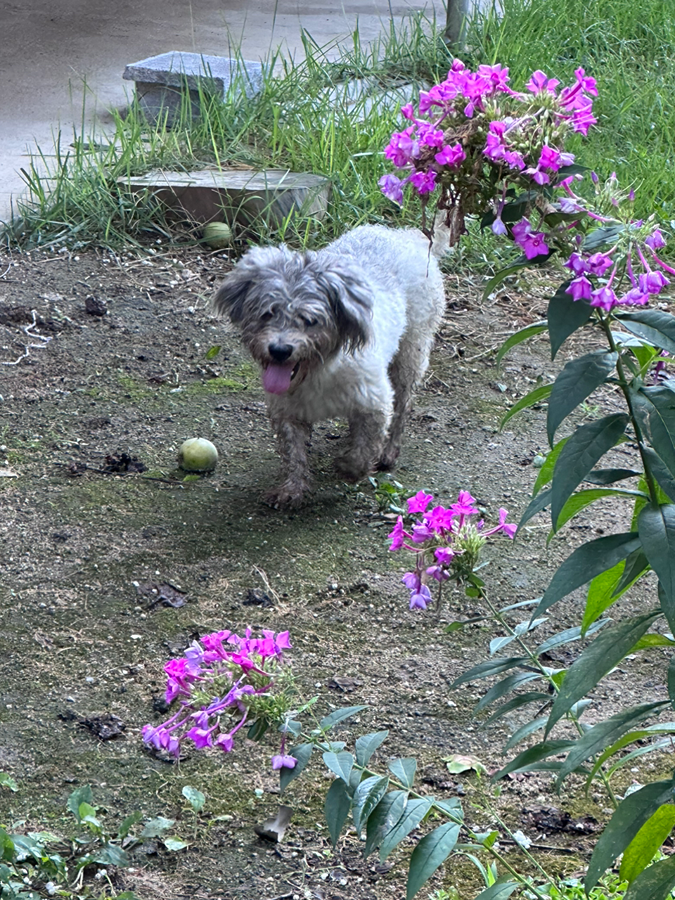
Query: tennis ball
[[218, 235], [197, 455]]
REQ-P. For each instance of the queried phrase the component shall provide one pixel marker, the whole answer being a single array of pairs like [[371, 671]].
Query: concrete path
[[52, 48]]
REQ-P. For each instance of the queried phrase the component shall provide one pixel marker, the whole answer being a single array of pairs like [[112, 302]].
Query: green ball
[[197, 455], [218, 235]]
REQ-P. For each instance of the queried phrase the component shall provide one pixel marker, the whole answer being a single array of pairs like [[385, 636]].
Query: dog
[[342, 332]]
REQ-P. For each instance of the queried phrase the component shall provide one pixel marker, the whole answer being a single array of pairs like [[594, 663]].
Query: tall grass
[[309, 117]]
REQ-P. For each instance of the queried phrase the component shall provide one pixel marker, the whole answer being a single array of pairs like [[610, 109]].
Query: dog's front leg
[[292, 438], [367, 432]]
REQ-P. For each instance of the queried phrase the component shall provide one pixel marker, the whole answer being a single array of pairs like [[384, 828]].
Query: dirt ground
[[81, 546]]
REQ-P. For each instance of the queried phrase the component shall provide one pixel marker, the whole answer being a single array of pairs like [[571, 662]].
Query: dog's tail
[[447, 230]]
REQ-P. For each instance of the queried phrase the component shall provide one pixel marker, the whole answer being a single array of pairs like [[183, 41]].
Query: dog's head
[[295, 310]]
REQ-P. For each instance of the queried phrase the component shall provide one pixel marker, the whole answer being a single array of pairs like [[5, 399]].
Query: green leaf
[[488, 668], [80, 795], [600, 657], [212, 352], [498, 891], [497, 279], [524, 731], [655, 408], [366, 797], [383, 818], [341, 764], [647, 841], [625, 740], [660, 471], [157, 827], [302, 754], [174, 844], [367, 744], [588, 444], [8, 782], [505, 686], [606, 234], [565, 316], [636, 566], [338, 804], [194, 797], [656, 527], [128, 823], [649, 641], [603, 590], [579, 501], [628, 819], [546, 471], [516, 702], [610, 476], [654, 325], [415, 810], [111, 855], [339, 716], [585, 563], [568, 636], [429, 854], [526, 760], [577, 381], [536, 505], [655, 883], [518, 338], [671, 680], [404, 770], [536, 396], [600, 736]]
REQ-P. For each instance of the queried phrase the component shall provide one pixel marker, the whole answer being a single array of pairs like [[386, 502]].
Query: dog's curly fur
[[346, 331]]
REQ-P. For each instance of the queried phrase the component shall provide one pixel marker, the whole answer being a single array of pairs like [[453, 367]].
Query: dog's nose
[[280, 352]]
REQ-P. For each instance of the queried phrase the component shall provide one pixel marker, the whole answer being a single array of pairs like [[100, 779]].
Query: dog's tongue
[[277, 378]]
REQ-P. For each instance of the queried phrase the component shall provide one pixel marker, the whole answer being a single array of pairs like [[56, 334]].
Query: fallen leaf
[[457, 763], [274, 829]]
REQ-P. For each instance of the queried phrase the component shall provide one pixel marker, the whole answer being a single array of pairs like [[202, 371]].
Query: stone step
[[243, 195], [161, 81]]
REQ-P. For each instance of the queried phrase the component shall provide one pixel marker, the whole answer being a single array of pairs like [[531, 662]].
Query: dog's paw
[[352, 469], [288, 495], [387, 462]]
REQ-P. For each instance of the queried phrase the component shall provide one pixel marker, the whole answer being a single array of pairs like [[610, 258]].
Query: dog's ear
[[231, 295], [352, 305]]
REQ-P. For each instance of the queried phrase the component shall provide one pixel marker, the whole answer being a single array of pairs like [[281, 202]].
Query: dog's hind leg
[[405, 371], [292, 437]]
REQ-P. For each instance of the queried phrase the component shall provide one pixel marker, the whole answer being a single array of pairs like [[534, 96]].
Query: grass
[[307, 118]]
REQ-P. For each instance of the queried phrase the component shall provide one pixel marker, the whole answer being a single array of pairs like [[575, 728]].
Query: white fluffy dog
[[346, 331]]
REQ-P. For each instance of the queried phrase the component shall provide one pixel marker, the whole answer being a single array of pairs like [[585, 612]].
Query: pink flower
[[423, 182], [549, 158], [412, 581], [421, 599], [598, 263], [392, 187], [451, 156], [496, 75], [604, 297], [282, 761], [444, 555], [402, 148], [408, 112], [397, 536], [508, 529], [652, 282], [655, 240], [498, 227], [430, 136], [532, 243], [580, 288], [225, 742], [464, 505], [514, 159], [587, 83], [576, 264], [540, 82], [634, 297], [419, 503]]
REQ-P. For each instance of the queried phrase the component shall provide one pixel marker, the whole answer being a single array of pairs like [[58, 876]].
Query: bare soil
[[97, 524]]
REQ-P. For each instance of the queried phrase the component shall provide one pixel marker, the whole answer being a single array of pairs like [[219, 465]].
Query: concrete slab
[[54, 50]]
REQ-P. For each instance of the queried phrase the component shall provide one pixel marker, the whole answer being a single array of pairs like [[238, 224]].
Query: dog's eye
[[310, 321]]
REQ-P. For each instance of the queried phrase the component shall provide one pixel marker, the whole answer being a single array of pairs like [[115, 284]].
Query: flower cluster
[[222, 681], [472, 122], [445, 540], [587, 268]]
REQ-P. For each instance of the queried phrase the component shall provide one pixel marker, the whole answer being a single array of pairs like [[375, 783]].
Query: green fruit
[[218, 235], [197, 455]]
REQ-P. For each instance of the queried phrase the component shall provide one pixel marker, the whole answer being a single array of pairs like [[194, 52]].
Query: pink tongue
[[277, 379]]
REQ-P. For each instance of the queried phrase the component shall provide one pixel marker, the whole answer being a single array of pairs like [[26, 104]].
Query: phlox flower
[[451, 156], [598, 263], [587, 83], [464, 505], [655, 240], [604, 297], [412, 581], [419, 503], [423, 182], [580, 288], [438, 573], [397, 536], [634, 297], [392, 187], [283, 761], [652, 282], [576, 264], [532, 243], [549, 158], [202, 737], [408, 112], [421, 598], [429, 136], [540, 82], [498, 227], [497, 76], [225, 742], [402, 148]]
